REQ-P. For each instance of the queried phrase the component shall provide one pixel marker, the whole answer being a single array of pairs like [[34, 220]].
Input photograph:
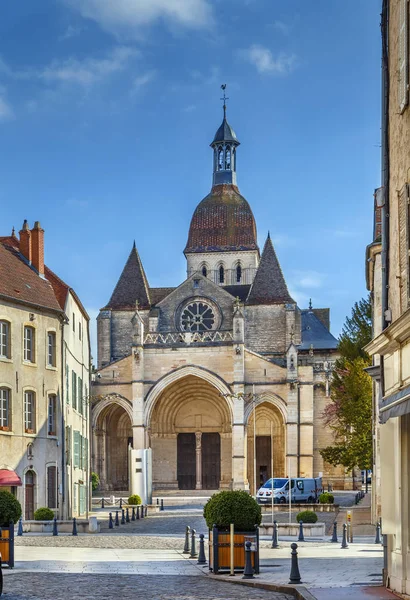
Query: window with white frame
[[29, 412], [29, 344], [5, 339], [52, 415], [5, 409], [51, 349]]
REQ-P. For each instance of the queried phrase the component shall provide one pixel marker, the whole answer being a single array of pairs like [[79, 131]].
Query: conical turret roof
[[132, 285], [269, 286], [225, 133]]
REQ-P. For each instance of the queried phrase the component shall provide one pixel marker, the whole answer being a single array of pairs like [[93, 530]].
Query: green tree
[[349, 414]]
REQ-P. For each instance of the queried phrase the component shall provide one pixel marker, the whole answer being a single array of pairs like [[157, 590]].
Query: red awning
[[9, 478]]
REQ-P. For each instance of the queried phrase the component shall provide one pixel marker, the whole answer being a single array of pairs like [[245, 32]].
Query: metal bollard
[[20, 527], [138, 512], [294, 569], [186, 545], [117, 522], [377, 540], [344, 540], [275, 535], [194, 553], [74, 527], [127, 518], [120, 503], [146, 510], [110, 522], [133, 514], [201, 557], [248, 571], [123, 517], [102, 503], [157, 501], [142, 511], [301, 537], [55, 531], [334, 535], [162, 504]]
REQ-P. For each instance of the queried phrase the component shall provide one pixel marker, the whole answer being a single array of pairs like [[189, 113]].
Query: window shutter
[[74, 389], [68, 444], [404, 246], [80, 395], [67, 384], [403, 54], [76, 449]]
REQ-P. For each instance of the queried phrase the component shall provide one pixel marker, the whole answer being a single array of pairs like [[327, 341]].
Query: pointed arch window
[[228, 158], [238, 274], [221, 274], [204, 271], [220, 158]]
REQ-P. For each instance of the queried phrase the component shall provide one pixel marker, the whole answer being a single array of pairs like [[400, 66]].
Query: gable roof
[[314, 333], [269, 286], [132, 285]]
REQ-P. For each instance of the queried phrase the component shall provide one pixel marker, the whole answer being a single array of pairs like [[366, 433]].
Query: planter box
[[220, 549], [7, 545], [292, 529], [267, 508], [62, 526]]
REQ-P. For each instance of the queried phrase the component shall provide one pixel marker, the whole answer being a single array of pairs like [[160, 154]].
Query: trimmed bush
[[326, 498], [134, 500], [10, 509], [95, 481], [44, 514], [307, 516], [236, 507]]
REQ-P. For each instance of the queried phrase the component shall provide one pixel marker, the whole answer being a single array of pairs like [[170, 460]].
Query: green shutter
[[82, 490], [77, 449], [74, 389], [67, 384], [68, 444], [80, 395]]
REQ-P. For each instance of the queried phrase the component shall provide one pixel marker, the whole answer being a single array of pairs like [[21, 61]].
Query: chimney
[[37, 248], [25, 241]]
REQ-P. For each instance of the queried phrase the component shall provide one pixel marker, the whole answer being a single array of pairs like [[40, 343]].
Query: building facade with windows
[[35, 346], [388, 276], [224, 377]]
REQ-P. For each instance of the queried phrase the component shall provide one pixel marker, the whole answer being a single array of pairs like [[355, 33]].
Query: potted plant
[[10, 512], [240, 509]]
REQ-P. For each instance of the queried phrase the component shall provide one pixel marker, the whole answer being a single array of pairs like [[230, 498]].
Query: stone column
[[198, 449]]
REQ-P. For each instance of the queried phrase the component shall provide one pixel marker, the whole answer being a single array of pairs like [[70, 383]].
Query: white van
[[303, 490]]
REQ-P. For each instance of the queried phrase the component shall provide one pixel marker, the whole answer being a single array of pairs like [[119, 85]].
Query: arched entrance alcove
[[270, 442], [112, 434], [191, 436]]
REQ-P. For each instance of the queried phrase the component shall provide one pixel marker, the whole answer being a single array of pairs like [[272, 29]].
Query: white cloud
[[70, 32], [307, 279], [90, 70], [142, 80], [265, 62], [129, 17], [281, 26], [6, 112]]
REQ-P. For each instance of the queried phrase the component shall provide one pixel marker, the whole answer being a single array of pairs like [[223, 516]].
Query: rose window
[[197, 316]]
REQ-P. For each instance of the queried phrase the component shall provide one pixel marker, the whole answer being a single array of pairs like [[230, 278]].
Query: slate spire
[[269, 286], [132, 285]]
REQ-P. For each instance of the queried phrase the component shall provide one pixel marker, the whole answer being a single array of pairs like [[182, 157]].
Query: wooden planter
[[7, 545], [220, 549]]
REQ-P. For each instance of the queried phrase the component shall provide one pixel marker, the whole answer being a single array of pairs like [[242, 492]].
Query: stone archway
[[190, 431], [270, 433], [112, 430]]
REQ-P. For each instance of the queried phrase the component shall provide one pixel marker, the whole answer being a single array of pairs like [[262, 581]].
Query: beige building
[[43, 342], [389, 279], [224, 377]]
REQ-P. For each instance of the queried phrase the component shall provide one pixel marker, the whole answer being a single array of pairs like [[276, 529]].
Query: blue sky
[[107, 109]]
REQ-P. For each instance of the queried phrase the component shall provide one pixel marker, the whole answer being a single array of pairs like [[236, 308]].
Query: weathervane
[[225, 98]]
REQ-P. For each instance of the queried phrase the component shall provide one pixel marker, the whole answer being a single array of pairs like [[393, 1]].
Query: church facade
[[224, 377]]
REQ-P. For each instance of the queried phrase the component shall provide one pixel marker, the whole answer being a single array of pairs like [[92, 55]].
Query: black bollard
[[248, 571], [122, 517], [55, 531], [127, 518], [117, 523], [142, 511], [138, 512], [186, 545], [301, 537], [377, 540], [201, 557], [102, 503], [20, 528], [120, 503], [133, 514], [334, 535], [294, 569], [146, 510], [344, 539], [162, 504], [110, 522], [74, 527], [275, 535], [194, 553], [157, 501]]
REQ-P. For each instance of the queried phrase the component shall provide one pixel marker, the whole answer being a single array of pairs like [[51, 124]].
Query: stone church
[[224, 377]]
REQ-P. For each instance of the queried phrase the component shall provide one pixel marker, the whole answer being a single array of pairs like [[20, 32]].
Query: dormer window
[[221, 274], [204, 271], [238, 274]]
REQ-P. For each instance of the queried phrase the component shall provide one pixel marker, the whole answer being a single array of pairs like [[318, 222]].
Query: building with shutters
[[44, 381], [388, 278], [224, 377]]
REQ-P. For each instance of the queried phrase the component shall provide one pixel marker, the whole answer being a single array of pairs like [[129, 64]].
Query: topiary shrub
[[10, 509], [236, 507], [326, 498], [44, 514], [307, 516], [134, 500], [95, 481]]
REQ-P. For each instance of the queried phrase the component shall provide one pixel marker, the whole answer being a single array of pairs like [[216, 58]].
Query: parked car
[[303, 490]]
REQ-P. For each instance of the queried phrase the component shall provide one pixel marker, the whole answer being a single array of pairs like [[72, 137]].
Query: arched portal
[[269, 433], [191, 436], [112, 436]]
